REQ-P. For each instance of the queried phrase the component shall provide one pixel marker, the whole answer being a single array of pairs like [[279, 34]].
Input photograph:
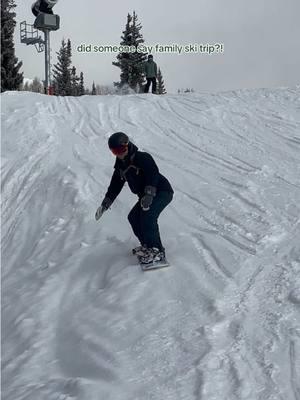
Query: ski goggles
[[117, 151]]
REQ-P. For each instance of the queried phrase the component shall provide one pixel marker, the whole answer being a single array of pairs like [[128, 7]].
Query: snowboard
[[151, 266], [154, 265]]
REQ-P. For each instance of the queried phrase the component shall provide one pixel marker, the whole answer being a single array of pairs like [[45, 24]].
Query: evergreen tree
[[136, 75], [81, 85], [36, 86], [123, 58], [26, 87], [105, 90], [74, 82], [62, 71], [98, 89], [131, 64], [160, 83], [69, 49], [94, 92], [11, 78]]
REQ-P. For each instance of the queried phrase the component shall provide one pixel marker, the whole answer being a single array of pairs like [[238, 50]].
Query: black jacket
[[139, 170]]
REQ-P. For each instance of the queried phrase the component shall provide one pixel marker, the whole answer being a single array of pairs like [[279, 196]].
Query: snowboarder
[[150, 69], [153, 190]]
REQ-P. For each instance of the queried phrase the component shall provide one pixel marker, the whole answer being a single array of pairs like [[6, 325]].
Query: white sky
[[261, 40]]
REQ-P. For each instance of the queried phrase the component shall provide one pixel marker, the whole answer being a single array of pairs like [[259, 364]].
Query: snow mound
[[81, 320]]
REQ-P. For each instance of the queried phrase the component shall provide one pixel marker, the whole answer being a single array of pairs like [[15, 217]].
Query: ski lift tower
[[46, 23]]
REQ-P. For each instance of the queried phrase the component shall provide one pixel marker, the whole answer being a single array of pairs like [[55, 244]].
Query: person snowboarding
[[150, 69], [154, 193]]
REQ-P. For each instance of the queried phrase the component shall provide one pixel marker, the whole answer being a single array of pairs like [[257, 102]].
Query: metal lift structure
[[30, 35]]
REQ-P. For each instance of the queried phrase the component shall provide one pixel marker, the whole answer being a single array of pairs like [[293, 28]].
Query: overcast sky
[[261, 40]]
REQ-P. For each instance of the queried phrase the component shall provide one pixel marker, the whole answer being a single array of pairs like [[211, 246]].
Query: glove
[[99, 213], [106, 203], [146, 200]]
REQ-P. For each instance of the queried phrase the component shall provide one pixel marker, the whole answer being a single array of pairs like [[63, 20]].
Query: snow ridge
[[81, 320]]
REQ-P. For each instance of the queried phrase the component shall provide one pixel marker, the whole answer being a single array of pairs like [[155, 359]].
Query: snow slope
[[80, 320]]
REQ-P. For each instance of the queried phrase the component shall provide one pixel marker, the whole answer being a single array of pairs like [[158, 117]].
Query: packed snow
[[80, 320]]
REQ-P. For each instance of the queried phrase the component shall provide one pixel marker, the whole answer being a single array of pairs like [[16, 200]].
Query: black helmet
[[117, 139]]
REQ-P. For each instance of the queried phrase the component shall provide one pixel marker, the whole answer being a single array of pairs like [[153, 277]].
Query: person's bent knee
[[132, 217]]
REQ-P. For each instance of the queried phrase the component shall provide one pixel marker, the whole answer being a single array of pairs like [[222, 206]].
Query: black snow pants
[[149, 80], [144, 223]]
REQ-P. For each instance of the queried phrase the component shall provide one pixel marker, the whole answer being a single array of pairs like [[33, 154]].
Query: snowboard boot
[[140, 251], [152, 256]]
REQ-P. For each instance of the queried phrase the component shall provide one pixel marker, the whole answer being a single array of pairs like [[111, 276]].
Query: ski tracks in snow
[[258, 332], [81, 319]]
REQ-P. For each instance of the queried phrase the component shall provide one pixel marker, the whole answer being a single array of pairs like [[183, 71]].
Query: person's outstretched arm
[[115, 187]]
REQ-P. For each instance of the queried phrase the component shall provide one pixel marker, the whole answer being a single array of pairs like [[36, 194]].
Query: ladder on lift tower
[[30, 35]]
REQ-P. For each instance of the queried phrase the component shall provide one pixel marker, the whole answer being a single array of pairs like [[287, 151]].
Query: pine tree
[[136, 76], [26, 87], [69, 49], [131, 64], [160, 83], [81, 85], [123, 58], [36, 86], [105, 90], [94, 89], [11, 78], [62, 71], [74, 82], [98, 89]]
